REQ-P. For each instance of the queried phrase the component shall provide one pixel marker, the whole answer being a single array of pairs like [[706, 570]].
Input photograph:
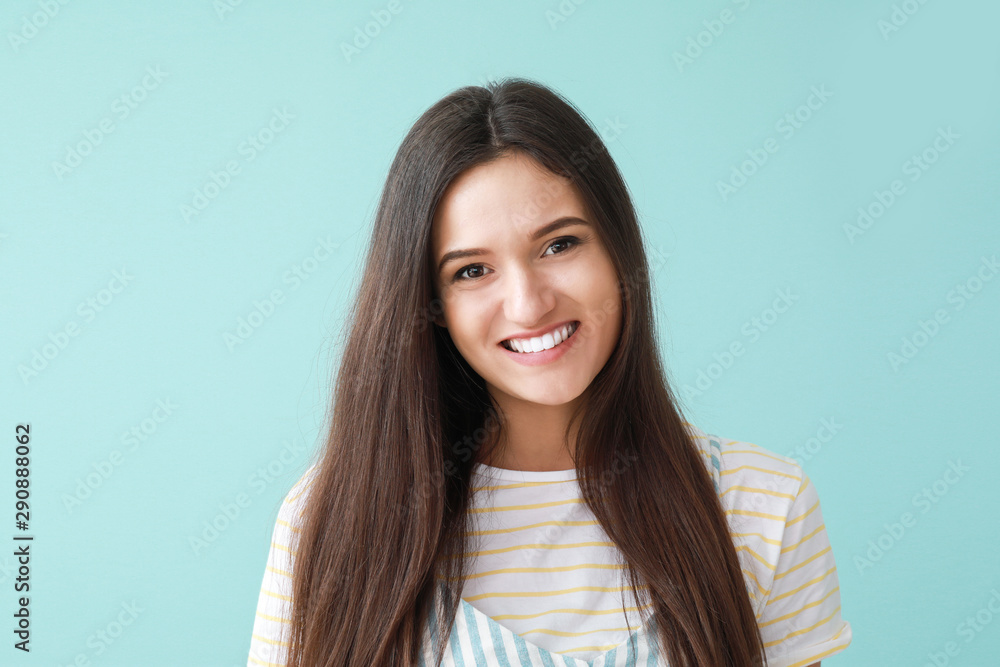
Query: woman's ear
[[436, 311]]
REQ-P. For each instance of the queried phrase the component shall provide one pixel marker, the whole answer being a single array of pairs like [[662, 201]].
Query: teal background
[[237, 410]]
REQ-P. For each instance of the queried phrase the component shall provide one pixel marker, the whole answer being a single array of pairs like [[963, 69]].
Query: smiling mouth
[[538, 344]]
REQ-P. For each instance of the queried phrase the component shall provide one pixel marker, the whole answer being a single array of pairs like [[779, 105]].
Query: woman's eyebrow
[[545, 229]]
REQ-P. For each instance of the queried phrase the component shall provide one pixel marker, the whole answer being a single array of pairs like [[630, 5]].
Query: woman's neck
[[532, 439]]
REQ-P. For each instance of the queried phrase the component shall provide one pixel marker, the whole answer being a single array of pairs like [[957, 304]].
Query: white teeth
[[539, 343]]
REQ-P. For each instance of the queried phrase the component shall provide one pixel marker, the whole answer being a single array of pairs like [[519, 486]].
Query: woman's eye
[[471, 267], [569, 241]]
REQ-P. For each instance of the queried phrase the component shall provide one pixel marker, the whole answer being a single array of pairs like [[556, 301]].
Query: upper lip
[[538, 333]]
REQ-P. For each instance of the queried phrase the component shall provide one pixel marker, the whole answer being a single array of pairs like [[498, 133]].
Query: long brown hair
[[388, 504]]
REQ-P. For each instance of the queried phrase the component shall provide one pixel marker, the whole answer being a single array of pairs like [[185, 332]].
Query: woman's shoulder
[[743, 470], [294, 502], [774, 517], [777, 525]]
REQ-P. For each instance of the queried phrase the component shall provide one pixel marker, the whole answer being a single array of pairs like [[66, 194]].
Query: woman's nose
[[527, 297]]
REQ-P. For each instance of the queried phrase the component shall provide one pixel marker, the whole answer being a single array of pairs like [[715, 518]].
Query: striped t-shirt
[[545, 583]]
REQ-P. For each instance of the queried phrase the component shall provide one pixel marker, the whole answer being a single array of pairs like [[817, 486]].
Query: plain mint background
[[817, 381]]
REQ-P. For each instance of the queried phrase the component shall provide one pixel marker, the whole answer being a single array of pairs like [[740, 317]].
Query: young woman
[[507, 478]]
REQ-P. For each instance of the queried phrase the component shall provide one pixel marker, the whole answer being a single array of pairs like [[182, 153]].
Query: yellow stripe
[[758, 514], [569, 610], [792, 547], [533, 525], [776, 494], [266, 664], [286, 598], [730, 471], [803, 485], [519, 485], [537, 594], [804, 607], [803, 630], [776, 543], [272, 642], [805, 585], [277, 619], [753, 577], [292, 499], [532, 506], [277, 571], [281, 547], [803, 563], [288, 525], [560, 633], [606, 647], [565, 568], [743, 547], [799, 518], [518, 547]]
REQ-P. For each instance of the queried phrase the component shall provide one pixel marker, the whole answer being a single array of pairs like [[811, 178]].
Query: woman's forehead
[[510, 191]]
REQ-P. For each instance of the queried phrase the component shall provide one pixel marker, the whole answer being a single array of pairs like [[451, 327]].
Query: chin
[[542, 395]]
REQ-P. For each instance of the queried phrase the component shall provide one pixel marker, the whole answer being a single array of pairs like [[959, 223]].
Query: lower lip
[[545, 356]]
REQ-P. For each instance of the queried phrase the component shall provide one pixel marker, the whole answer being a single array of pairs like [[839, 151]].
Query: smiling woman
[[542, 273], [511, 482]]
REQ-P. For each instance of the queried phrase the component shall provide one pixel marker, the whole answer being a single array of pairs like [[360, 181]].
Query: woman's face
[[531, 263]]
